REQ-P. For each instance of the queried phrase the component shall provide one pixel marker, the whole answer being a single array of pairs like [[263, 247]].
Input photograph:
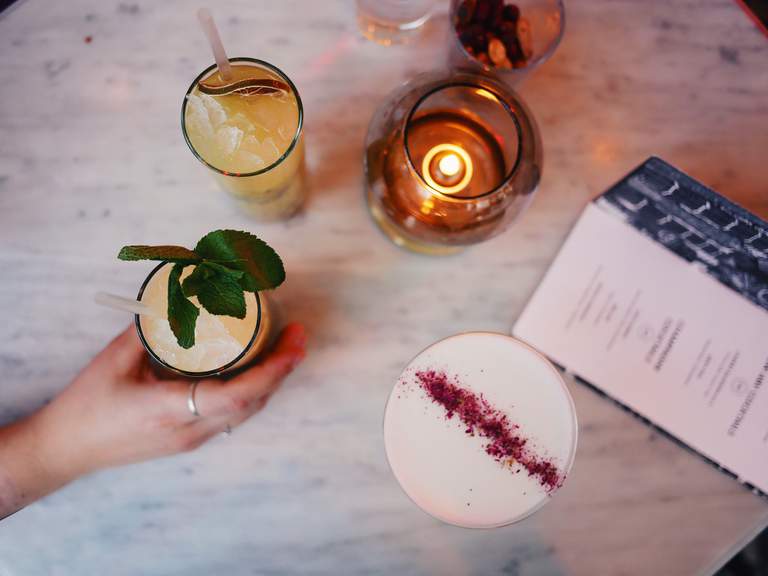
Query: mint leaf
[[236, 274], [164, 253], [239, 250], [182, 314], [217, 289], [205, 272]]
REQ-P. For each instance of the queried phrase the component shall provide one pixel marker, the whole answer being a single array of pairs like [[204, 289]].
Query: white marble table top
[[91, 157]]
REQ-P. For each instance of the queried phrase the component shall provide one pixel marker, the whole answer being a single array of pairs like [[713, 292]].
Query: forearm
[[28, 468]]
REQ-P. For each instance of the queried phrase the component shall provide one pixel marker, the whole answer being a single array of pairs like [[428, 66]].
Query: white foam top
[[446, 471]]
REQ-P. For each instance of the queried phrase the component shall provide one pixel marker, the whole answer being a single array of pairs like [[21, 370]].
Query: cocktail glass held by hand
[[205, 311]]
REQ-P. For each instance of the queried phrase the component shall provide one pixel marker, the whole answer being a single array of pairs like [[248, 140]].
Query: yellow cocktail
[[248, 130]]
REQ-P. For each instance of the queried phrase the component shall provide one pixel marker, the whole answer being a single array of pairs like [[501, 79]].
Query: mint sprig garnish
[[227, 264]]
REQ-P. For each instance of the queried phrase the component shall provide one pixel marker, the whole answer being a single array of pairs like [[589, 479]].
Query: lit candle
[[455, 155], [447, 168]]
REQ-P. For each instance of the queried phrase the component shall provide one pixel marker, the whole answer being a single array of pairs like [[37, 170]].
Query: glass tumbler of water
[[392, 21]]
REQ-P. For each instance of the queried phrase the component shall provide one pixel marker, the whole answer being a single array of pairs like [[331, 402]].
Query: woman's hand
[[117, 411]]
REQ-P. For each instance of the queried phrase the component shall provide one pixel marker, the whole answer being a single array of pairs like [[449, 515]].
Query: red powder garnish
[[505, 443], [88, 39]]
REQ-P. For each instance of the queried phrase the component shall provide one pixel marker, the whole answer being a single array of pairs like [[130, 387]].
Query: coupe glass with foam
[[480, 430]]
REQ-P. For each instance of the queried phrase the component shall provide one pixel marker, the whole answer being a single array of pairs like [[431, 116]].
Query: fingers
[[225, 404], [240, 397], [232, 419]]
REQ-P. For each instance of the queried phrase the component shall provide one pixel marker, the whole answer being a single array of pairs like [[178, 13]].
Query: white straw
[[212, 33], [124, 304]]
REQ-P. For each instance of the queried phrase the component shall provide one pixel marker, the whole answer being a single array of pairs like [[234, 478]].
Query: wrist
[[29, 468], [54, 441]]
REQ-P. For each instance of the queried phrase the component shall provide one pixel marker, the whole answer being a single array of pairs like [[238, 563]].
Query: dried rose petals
[[505, 442]]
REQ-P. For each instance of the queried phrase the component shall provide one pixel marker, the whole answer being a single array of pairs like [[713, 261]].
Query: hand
[[117, 411]]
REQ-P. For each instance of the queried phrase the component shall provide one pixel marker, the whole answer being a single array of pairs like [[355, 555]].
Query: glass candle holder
[[222, 343], [504, 38], [251, 139], [451, 159]]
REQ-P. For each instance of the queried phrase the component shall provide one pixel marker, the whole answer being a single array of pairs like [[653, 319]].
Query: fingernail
[[300, 338]]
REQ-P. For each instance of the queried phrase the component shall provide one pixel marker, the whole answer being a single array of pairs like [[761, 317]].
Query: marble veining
[[91, 157]]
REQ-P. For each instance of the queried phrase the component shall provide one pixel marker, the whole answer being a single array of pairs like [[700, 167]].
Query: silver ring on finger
[[191, 404]]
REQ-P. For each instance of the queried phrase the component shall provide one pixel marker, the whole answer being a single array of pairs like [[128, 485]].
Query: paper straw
[[124, 304], [212, 33]]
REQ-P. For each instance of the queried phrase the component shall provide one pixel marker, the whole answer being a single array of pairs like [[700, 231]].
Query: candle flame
[[454, 160], [450, 164]]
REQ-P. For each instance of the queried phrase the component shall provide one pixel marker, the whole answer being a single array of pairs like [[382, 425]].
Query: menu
[[659, 298]]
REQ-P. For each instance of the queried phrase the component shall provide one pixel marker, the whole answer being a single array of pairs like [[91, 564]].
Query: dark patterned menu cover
[[659, 300], [697, 224]]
